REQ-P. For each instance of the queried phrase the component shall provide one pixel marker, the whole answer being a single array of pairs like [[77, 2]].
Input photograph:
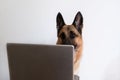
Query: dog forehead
[[67, 28]]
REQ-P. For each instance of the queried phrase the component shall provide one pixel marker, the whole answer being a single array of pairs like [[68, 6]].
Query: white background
[[34, 21]]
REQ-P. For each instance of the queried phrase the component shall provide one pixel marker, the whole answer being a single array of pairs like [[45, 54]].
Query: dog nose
[[67, 42]]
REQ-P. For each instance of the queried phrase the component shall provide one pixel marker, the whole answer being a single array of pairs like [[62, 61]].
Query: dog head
[[70, 34]]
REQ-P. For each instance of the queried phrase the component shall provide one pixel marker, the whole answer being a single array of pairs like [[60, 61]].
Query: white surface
[[34, 21]]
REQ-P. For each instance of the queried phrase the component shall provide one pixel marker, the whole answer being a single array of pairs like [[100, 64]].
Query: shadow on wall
[[112, 71]]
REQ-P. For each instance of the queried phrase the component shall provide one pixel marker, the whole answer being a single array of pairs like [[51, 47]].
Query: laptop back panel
[[40, 62]]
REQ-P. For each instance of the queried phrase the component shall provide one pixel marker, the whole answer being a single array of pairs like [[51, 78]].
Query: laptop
[[40, 62]]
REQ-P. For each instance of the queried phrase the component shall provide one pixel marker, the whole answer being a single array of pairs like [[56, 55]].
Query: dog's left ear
[[78, 22]]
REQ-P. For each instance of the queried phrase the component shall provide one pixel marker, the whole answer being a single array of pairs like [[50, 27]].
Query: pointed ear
[[78, 22], [60, 22]]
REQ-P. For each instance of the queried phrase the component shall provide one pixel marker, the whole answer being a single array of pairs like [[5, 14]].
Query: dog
[[71, 35]]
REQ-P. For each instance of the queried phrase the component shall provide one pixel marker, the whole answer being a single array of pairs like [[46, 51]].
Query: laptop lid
[[40, 62]]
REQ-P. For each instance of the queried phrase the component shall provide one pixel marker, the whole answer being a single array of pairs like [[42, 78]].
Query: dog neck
[[77, 58]]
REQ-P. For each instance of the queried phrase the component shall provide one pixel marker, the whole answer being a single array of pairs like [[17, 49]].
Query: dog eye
[[62, 35], [72, 35]]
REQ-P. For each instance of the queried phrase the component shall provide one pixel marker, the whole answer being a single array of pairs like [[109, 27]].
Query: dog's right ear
[[60, 22]]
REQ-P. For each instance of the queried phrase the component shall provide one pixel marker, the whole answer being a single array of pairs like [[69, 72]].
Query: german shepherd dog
[[71, 35]]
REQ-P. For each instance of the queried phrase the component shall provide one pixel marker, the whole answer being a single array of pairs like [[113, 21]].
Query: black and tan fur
[[71, 35]]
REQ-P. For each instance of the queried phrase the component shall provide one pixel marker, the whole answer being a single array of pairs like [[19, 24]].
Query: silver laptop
[[40, 62]]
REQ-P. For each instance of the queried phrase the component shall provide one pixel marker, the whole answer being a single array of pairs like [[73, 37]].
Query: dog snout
[[67, 42]]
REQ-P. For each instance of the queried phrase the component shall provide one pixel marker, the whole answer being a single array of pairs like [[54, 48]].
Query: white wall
[[34, 21]]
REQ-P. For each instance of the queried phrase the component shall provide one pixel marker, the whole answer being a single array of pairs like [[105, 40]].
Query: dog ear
[[78, 22], [60, 22]]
